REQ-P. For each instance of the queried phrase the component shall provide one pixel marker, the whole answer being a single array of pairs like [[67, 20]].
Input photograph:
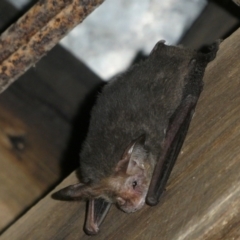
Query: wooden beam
[[202, 197], [214, 22], [37, 144], [237, 2]]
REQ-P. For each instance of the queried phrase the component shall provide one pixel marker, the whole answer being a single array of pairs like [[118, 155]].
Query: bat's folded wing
[[96, 213], [171, 147]]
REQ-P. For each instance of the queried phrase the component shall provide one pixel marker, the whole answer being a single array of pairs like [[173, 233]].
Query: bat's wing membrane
[[96, 213], [172, 144]]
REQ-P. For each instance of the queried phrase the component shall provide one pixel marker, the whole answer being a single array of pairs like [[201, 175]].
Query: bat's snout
[[132, 206]]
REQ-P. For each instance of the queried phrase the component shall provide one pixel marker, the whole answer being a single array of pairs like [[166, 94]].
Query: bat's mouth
[[131, 206]]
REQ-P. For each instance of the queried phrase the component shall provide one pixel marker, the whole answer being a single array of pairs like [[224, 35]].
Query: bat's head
[[127, 186], [132, 175]]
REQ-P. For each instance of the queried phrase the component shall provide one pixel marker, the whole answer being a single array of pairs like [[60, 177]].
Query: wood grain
[[36, 119], [202, 197]]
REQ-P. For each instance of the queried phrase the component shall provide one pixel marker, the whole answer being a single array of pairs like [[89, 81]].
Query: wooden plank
[[214, 22], [37, 114], [202, 197], [36, 117]]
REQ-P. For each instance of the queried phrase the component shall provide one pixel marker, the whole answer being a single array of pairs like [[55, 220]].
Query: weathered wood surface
[[202, 197], [36, 119], [237, 2]]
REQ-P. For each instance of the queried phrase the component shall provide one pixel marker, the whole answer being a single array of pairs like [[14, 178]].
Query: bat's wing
[[172, 144], [96, 213]]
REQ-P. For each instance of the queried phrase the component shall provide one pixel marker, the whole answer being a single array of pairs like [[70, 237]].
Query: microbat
[[136, 131]]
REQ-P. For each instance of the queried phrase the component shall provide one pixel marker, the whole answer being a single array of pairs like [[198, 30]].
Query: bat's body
[[136, 131], [141, 101]]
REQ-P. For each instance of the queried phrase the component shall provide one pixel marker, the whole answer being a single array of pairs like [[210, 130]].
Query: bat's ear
[[76, 191], [132, 160]]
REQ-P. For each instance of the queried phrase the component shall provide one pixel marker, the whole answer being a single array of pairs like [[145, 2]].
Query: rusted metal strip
[[28, 52], [21, 31]]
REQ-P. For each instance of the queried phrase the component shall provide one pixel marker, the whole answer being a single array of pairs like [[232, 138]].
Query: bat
[[136, 131]]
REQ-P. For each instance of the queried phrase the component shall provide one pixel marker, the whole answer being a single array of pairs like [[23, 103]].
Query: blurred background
[[109, 39]]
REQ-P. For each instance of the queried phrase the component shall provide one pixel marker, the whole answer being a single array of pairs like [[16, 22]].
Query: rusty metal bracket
[[37, 32]]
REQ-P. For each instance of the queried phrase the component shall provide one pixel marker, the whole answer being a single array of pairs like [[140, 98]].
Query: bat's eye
[[134, 184]]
